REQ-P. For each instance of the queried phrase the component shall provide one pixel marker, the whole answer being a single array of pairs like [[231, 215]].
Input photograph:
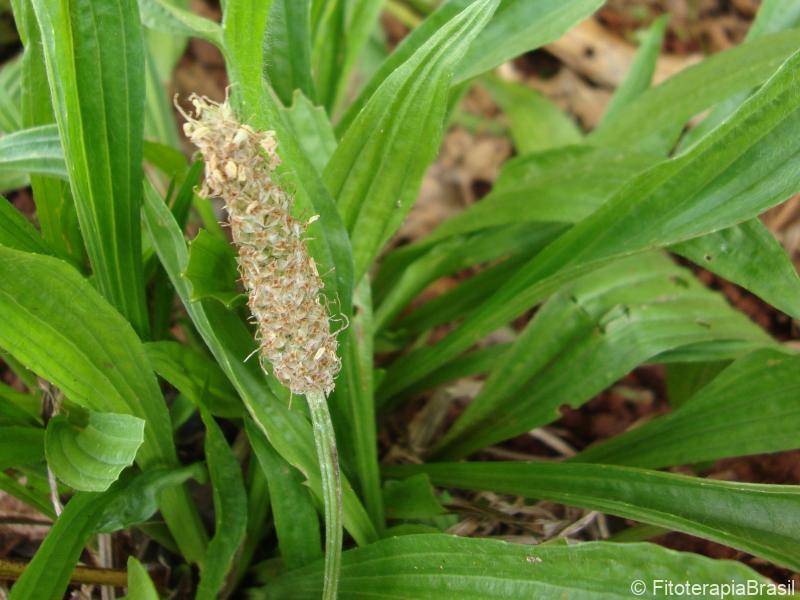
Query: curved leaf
[[89, 456], [162, 16], [36, 150]]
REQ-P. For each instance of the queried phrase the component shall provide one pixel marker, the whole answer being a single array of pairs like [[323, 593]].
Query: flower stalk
[[283, 284]]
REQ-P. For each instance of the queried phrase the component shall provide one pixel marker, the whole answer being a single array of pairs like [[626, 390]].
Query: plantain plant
[[122, 313]]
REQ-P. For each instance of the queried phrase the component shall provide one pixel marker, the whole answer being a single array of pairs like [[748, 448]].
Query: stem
[[11, 570], [327, 455]]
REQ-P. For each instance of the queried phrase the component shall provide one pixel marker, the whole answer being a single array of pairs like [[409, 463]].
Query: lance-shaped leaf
[[36, 150], [749, 408], [95, 66], [761, 519], [744, 167], [377, 169], [590, 334], [445, 567]]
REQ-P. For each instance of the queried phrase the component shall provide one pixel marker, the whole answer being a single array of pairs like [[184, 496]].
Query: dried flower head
[[281, 278]]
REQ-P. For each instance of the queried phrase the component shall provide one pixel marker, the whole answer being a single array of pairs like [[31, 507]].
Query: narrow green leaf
[[588, 335], [10, 92], [761, 519], [244, 23], [20, 446], [641, 72], [47, 575], [162, 16], [312, 129], [741, 169], [693, 90], [230, 511], [377, 169], [95, 67], [520, 26], [54, 204], [89, 451], [140, 586], [294, 514], [750, 256], [354, 399], [749, 408], [445, 567], [212, 270], [138, 497], [287, 49], [411, 498], [535, 122], [36, 150], [196, 376], [17, 232]]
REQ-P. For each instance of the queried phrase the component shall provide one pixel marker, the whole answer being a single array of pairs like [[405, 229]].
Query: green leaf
[[140, 586], [138, 497], [749, 408], [329, 25], [92, 354], [377, 169], [244, 23], [761, 519], [590, 334], [312, 129], [10, 92], [17, 232], [535, 122], [444, 567], [750, 256], [655, 120], [451, 256], [354, 403], [287, 49], [743, 168], [36, 150], [516, 27], [95, 67], [47, 575], [162, 16], [230, 342], [641, 72], [89, 451], [55, 209], [411, 498], [18, 408], [562, 185], [212, 270], [230, 511], [196, 376], [294, 515], [520, 26], [20, 446]]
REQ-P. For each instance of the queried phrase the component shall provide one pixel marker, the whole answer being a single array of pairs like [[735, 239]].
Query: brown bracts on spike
[[280, 276]]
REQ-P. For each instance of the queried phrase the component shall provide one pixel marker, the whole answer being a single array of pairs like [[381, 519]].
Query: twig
[[11, 571]]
